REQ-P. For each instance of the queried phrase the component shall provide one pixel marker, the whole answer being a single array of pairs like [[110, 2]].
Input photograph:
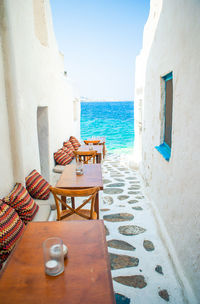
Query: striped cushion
[[68, 145], [11, 228], [76, 144], [68, 151], [22, 202], [62, 158], [37, 186]]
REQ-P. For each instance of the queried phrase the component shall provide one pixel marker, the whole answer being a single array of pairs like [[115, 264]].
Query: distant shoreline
[[106, 100]]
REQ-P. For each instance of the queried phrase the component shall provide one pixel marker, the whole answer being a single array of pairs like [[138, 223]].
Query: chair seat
[[75, 217]]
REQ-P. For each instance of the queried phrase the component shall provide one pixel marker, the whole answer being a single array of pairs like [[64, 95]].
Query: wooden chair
[[70, 213], [85, 156], [94, 142], [97, 142]]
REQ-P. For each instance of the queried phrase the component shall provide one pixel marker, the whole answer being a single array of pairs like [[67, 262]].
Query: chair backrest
[[85, 156], [94, 142], [61, 195]]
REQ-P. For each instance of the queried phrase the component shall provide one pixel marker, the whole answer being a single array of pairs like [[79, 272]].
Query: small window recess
[[166, 122]]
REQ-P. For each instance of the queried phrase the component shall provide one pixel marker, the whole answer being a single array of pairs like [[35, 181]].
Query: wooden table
[[86, 278], [97, 148], [102, 142], [92, 177]]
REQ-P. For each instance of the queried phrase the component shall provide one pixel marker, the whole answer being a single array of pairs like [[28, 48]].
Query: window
[[166, 136]]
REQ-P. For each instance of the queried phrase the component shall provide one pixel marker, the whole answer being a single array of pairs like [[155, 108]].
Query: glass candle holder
[[53, 256], [79, 168], [90, 146]]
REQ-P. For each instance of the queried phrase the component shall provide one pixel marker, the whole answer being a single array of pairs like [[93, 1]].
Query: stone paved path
[[141, 270]]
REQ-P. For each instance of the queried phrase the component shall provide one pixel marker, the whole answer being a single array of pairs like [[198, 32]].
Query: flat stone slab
[[121, 299], [131, 230], [136, 281], [118, 261], [119, 179], [137, 208], [159, 269], [113, 190], [118, 217], [118, 244], [122, 197], [164, 295], [108, 200], [133, 192], [140, 197], [105, 209], [106, 181], [133, 201], [131, 178], [148, 245], [106, 230], [134, 187], [121, 206], [116, 185]]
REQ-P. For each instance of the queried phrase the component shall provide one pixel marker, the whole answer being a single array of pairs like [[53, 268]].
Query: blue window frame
[[166, 139]]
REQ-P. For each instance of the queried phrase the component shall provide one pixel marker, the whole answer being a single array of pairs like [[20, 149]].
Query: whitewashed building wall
[[36, 99], [172, 44]]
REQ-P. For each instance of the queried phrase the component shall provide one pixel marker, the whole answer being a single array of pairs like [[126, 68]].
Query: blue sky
[[100, 41]]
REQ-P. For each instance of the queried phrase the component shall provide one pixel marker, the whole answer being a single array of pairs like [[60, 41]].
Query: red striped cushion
[[68, 151], [11, 228], [22, 202], [62, 158], [37, 186], [68, 145], [76, 144]]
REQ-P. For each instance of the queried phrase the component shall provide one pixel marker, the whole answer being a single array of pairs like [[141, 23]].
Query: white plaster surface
[[174, 186], [31, 76]]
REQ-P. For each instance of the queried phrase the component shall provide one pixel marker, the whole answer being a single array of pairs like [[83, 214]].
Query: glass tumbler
[[79, 168], [53, 256]]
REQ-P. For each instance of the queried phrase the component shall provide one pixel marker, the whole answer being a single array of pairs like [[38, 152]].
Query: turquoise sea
[[113, 120]]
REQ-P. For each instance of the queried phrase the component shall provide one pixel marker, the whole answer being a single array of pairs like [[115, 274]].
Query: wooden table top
[[102, 139], [86, 278], [97, 148], [92, 177]]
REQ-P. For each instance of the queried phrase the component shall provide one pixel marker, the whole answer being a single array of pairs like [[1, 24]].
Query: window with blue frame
[[165, 147]]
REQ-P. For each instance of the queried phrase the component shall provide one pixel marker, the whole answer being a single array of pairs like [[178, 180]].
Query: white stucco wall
[[174, 186], [36, 79], [6, 176]]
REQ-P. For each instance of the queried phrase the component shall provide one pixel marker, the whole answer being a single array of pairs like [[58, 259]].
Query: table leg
[[104, 150], [98, 158], [97, 205], [73, 202], [63, 198]]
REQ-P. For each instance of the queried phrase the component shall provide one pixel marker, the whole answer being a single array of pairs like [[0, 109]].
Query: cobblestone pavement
[[141, 269]]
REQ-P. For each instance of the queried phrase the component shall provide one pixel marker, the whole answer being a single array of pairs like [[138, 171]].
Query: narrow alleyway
[[141, 269]]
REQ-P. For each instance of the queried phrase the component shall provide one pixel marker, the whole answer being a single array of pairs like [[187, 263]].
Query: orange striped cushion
[[11, 228], [37, 186], [62, 158], [22, 202], [76, 144], [68, 145], [68, 151]]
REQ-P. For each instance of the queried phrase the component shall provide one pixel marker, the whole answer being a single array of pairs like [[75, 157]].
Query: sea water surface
[[112, 120]]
